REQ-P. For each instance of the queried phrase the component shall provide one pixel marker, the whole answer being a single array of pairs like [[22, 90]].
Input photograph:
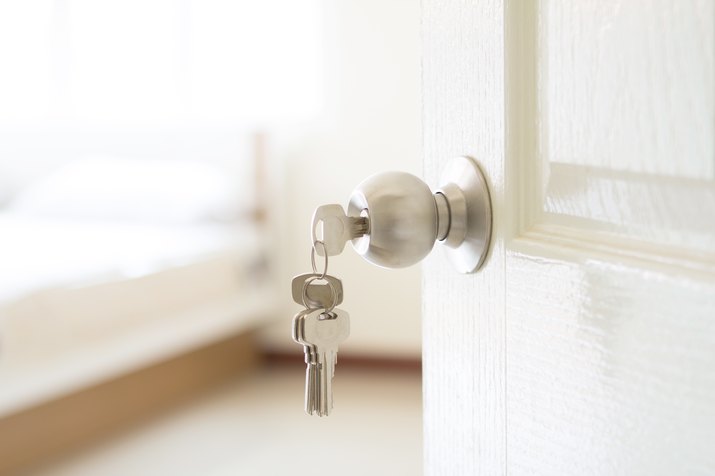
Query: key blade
[[325, 331], [328, 363], [308, 394]]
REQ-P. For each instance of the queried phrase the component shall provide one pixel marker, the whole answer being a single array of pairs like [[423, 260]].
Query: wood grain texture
[[671, 212], [624, 119], [463, 315], [610, 367], [609, 272], [37, 435], [588, 341], [620, 79]]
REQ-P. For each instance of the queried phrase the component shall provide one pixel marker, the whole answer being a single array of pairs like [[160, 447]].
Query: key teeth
[[359, 226]]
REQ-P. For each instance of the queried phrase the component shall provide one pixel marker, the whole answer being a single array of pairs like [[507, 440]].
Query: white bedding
[[83, 300], [44, 253]]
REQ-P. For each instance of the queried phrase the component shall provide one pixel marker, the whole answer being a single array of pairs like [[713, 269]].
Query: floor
[[258, 427]]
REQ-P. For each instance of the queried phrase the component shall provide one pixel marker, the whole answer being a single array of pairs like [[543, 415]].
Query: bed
[[84, 300]]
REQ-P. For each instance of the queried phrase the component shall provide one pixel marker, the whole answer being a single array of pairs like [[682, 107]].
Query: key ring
[[333, 293], [312, 259]]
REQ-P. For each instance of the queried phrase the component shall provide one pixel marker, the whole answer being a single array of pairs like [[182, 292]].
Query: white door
[[587, 343]]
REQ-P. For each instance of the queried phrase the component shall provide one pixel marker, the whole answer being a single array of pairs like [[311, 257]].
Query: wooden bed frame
[[35, 436]]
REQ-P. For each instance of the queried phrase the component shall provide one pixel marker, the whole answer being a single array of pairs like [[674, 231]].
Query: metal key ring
[[312, 259], [333, 292]]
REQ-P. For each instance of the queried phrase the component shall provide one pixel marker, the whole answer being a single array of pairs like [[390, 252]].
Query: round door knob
[[405, 218], [402, 217]]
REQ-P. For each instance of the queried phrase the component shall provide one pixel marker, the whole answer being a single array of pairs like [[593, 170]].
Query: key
[[329, 295], [317, 294], [338, 229], [311, 372], [325, 331]]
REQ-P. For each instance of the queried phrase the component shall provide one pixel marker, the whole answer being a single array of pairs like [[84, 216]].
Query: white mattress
[[82, 301], [41, 253]]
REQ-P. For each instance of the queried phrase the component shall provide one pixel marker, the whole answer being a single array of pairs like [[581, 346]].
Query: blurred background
[[159, 164]]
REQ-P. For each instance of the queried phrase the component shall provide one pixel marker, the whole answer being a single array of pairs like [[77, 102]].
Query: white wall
[[370, 123]]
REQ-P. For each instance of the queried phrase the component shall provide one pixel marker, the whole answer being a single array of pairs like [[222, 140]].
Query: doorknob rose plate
[[467, 239]]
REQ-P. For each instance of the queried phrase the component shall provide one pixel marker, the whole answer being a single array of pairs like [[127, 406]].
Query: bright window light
[[157, 62], [25, 60]]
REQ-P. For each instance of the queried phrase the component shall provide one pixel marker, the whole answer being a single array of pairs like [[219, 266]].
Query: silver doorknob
[[402, 219], [394, 219]]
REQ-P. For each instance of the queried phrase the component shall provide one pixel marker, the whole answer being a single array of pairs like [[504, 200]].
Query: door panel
[[610, 302], [610, 122], [609, 367], [619, 82], [587, 343], [463, 315]]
